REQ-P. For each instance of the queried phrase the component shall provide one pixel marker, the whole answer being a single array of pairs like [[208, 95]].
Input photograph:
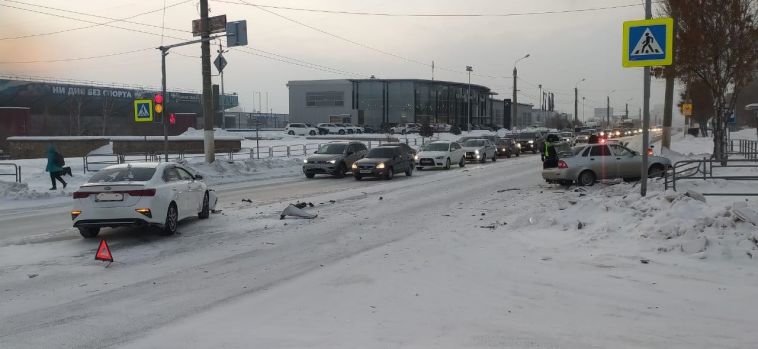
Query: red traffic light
[[158, 99], [172, 119]]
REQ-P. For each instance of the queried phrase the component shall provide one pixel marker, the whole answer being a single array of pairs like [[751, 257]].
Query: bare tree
[[74, 104], [715, 43]]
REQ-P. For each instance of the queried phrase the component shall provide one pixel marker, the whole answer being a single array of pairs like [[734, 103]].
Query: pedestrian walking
[[55, 163]]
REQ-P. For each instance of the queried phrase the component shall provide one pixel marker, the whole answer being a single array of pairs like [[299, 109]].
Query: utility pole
[[205, 49], [608, 109], [541, 108], [583, 119], [469, 69], [164, 119], [432, 70], [626, 114], [646, 116]]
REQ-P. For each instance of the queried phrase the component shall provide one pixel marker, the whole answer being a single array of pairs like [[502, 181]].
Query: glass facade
[[400, 101]]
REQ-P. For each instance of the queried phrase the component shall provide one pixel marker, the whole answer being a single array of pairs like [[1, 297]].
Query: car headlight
[[415, 157], [518, 145], [439, 158], [354, 166], [381, 165], [530, 142], [332, 161], [476, 151], [602, 133], [305, 161], [640, 130]]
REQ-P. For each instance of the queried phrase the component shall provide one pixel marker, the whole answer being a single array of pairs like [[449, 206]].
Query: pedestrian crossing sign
[[143, 110], [648, 43]]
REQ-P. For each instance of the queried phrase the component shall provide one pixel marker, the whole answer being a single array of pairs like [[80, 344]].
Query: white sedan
[[440, 155], [480, 150], [141, 194]]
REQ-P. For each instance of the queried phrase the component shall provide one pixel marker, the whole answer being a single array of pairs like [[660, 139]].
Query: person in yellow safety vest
[[549, 154]]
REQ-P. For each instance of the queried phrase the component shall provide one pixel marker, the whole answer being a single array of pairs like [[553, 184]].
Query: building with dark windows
[[378, 102]]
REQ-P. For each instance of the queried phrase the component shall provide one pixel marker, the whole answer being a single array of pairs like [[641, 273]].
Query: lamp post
[[514, 106], [608, 108], [576, 100], [469, 69], [626, 106]]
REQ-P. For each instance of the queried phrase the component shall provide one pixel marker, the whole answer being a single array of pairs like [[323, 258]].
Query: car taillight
[[75, 213], [649, 151], [81, 194], [562, 164], [142, 192]]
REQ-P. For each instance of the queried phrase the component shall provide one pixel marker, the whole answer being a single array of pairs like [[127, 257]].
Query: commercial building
[[82, 108], [378, 102]]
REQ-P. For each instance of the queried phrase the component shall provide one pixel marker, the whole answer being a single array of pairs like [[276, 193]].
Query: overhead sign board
[[236, 33], [216, 24], [143, 110], [648, 43]]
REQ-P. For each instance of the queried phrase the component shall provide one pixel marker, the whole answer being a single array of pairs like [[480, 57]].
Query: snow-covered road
[[486, 256], [53, 292]]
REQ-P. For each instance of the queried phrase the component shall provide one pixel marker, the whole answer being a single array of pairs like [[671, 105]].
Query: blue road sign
[[648, 43], [143, 110]]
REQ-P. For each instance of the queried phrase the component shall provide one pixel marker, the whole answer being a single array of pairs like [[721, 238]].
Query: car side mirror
[[199, 177]]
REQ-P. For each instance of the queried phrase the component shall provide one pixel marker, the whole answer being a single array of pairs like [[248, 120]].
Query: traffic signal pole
[[164, 53]]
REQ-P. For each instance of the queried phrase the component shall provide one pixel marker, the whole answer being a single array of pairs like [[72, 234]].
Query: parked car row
[[304, 129]]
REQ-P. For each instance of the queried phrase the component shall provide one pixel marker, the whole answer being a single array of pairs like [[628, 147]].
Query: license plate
[[365, 171], [109, 197]]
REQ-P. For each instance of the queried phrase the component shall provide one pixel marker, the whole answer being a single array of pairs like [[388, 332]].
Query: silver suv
[[334, 158]]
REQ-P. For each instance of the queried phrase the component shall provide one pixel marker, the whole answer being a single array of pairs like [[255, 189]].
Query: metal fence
[[746, 148], [709, 169], [16, 171]]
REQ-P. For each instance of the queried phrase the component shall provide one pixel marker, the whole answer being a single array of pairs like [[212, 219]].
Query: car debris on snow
[[293, 210]]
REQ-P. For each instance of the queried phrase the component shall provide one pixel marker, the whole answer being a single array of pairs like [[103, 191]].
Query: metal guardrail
[[109, 159], [16, 171], [746, 148], [704, 170]]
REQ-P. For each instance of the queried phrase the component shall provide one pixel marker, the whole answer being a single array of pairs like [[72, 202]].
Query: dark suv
[[384, 162], [334, 158]]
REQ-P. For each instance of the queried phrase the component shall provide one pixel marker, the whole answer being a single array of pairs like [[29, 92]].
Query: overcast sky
[[564, 48]]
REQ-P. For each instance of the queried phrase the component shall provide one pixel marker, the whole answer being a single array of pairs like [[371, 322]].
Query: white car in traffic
[[440, 155], [141, 194], [299, 129], [406, 128], [479, 150]]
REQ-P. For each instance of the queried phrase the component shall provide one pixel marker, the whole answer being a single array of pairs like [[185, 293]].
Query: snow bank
[[21, 191], [222, 171], [663, 222]]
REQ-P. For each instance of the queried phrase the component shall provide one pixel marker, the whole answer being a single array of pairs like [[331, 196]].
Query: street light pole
[[608, 109], [469, 69], [576, 100], [583, 119], [514, 105]]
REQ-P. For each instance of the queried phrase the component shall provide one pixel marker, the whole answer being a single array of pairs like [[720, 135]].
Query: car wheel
[[508, 155], [309, 175], [342, 132], [358, 177], [656, 171], [205, 212], [419, 168], [358, 131], [291, 133], [484, 158], [462, 163], [447, 164], [341, 169], [312, 133], [389, 174], [409, 171], [392, 132], [518, 154], [586, 178], [172, 221], [494, 157], [89, 232]]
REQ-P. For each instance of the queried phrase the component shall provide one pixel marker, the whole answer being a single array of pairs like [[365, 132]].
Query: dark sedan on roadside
[[384, 162]]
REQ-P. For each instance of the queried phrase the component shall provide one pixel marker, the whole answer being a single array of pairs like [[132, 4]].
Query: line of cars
[[339, 158], [304, 129]]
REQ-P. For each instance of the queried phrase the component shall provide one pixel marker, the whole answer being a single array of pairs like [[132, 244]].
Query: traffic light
[[172, 119], [158, 103]]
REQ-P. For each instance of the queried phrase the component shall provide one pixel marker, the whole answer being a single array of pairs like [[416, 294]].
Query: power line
[[96, 24], [77, 58], [387, 14]]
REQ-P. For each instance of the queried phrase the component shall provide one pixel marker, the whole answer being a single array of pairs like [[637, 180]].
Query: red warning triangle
[[103, 252]]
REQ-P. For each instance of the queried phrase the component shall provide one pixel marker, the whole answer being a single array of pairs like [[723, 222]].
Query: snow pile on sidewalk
[[222, 171], [21, 191], [663, 222]]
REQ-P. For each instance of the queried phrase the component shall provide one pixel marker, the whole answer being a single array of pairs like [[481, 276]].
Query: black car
[[528, 141], [383, 162], [406, 148], [511, 147]]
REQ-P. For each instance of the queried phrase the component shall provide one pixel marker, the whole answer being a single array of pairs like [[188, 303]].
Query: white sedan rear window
[[125, 174]]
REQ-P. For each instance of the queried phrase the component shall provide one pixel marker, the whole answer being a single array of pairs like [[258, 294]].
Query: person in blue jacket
[[54, 166]]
